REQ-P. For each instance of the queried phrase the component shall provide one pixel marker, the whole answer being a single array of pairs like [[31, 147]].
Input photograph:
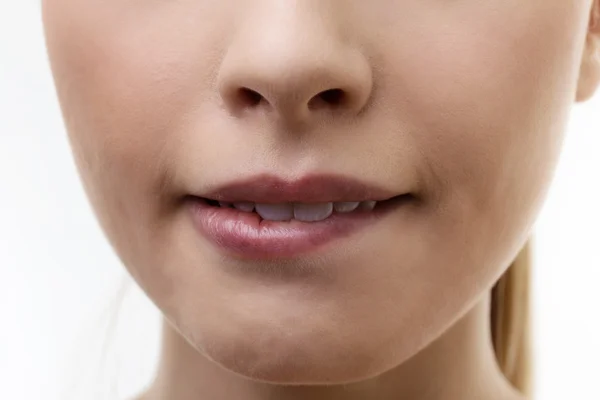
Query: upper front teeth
[[300, 211], [312, 212], [346, 206], [275, 212]]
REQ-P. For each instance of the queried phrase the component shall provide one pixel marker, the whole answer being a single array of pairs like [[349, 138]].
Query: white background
[[59, 277]]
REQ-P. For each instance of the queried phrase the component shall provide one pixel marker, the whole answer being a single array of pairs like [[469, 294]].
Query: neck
[[458, 365]]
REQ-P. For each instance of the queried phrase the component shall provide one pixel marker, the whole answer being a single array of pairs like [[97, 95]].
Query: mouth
[[267, 217], [305, 212]]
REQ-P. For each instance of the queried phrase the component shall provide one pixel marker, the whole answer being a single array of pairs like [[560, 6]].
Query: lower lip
[[247, 235]]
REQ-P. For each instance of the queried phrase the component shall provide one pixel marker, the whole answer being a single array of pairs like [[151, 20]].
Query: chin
[[297, 355]]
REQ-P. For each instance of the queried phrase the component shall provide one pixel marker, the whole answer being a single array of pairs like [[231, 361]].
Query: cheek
[[116, 118], [487, 95], [126, 78]]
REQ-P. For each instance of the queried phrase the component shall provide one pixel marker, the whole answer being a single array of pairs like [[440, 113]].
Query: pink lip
[[247, 235], [310, 189]]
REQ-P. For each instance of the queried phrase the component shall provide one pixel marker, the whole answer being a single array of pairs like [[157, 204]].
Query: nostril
[[331, 97], [249, 97]]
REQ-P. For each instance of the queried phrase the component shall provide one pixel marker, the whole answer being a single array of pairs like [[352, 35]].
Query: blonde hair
[[510, 321]]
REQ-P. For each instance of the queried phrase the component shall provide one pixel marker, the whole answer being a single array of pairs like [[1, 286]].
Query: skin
[[463, 103]]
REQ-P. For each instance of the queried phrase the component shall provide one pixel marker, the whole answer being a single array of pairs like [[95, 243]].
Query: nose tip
[[295, 86]]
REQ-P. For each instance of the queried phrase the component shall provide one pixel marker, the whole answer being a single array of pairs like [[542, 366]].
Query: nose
[[294, 66]]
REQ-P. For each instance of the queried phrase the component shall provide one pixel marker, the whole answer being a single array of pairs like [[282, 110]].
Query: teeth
[[299, 211], [244, 206], [345, 206], [312, 212], [275, 212], [367, 205]]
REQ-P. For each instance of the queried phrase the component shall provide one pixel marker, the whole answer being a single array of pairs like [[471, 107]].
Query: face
[[460, 105]]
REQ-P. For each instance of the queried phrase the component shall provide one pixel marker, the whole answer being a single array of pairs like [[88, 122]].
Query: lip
[[267, 188], [246, 235]]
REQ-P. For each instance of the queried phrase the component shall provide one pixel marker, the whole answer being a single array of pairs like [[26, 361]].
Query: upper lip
[[320, 188]]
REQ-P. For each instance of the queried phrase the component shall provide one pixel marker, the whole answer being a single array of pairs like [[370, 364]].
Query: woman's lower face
[[267, 106]]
